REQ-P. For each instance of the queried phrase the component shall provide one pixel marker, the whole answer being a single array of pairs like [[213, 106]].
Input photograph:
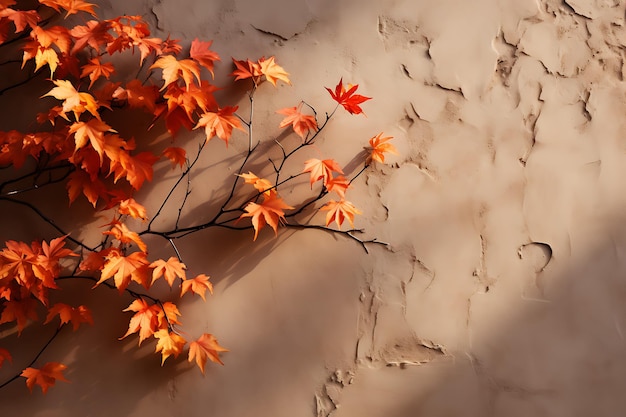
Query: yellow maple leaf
[[169, 343]]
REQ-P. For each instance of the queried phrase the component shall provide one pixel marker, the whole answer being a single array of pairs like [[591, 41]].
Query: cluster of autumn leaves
[[107, 169]]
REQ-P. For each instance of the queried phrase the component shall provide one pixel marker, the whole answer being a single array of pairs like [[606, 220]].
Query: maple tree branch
[[347, 233]]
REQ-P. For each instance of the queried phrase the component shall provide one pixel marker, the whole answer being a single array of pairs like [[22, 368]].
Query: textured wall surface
[[503, 291]]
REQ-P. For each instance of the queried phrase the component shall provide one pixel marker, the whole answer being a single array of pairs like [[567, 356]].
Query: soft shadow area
[[560, 355]]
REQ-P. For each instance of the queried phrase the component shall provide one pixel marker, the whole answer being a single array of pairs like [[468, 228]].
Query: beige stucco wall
[[503, 291]]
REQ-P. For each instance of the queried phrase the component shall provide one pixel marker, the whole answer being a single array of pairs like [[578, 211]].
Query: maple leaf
[[338, 184], [378, 147], [93, 130], [80, 181], [21, 18], [170, 270], [133, 209], [260, 184], [167, 315], [16, 260], [73, 100], [201, 53], [47, 265], [46, 56], [44, 377], [174, 69], [206, 347], [169, 343], [176, 155], [124, 269], [300, 123], [246, 69], [321, 169], [197, 285], [348, 99], [96, 69], [136, 169], [138, 95], [70, 6], [120, 232], [338, 211], [67, 314], [144, 320], [273, 72], [20, 311], [95, 34], [270, 211], [220, 123], [5, 356]]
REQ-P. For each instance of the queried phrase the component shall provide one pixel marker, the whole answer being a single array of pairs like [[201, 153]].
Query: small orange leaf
[[338, 211], [169, 343], [300, 123], [144, 321], [260, 184], [201, 53], [338, 184], [220, 123], [273, 72], [246, 69], [321, 169], [67, 314], [133, 209], [174, 69], [176, 155], [44, 377], [125, 268], [170, 269], [206, 347], [270, 211], [378, 147], [197, 285]]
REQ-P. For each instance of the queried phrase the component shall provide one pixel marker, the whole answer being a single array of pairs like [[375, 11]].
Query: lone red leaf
[[44, 377], [348, 99]]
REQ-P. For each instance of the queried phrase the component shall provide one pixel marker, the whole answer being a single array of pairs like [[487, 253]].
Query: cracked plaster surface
[[503, 290]]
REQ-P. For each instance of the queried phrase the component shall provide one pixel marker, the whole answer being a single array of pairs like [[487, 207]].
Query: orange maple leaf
[[197, 285], [176, 155], [169, 343], [20, 311], [96, 69], [79, 181], [338, 184], [67, 314], [321, 169], [44, 377], [133, 209], [348, 99], [95, 34], [220, 123], [174, 69], [300, 123], [144, 321], [123, 269], [246, 69], [270, 211], [73, 100], [167, 315], [170, 270], [122, 233], [201, 53], [378, 147], [206, 347], [136, 169], [138, 95], [260, 184], [71, 6], [338, 211], [21, 18], [272, 71], [93, 130], [5, 356]]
